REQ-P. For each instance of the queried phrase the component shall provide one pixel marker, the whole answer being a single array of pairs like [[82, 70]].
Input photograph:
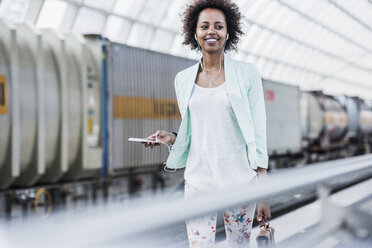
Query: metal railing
[[122, 222]]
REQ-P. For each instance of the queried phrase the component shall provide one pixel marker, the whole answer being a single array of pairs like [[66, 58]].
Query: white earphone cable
[[171, 154]]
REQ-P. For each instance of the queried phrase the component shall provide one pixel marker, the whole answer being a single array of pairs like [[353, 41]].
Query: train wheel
[[43, 203]]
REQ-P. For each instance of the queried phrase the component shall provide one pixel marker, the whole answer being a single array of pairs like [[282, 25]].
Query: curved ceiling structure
[[316, 44]]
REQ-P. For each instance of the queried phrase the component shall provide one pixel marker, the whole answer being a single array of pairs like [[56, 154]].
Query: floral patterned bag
[[265, 238]]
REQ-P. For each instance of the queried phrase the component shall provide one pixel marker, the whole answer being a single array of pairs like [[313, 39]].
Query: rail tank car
[[312, 121], [365, 119], [324, 121], [48, 83], [336, 120], [359, 113], [352, 110]]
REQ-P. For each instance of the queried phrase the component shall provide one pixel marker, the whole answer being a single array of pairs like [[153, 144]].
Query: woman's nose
[[211, 31]]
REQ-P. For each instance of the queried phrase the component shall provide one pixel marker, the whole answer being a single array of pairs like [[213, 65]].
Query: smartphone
[[143, 140]]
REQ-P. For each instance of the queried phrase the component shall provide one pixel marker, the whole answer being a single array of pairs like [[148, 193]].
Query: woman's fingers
[[263, 213], [151, 137], [267, 212], [259, 213], [161, 136]]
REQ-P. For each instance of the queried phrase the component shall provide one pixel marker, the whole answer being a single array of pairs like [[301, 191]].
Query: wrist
[[261, 174], [173, 137]]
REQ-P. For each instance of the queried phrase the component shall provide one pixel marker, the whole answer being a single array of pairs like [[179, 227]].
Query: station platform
[[298, 222]]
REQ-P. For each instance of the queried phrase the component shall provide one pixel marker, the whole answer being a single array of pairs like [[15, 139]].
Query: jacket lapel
[[189, 84], [236, 98], [232, 85], [231, 80]]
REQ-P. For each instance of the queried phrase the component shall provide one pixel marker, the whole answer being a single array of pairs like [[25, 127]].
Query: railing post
[[323, 192]]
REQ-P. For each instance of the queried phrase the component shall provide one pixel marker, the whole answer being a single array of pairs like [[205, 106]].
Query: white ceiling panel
[[316, 44]]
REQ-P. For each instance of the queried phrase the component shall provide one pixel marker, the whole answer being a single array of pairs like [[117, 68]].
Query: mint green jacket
[[245, 92]]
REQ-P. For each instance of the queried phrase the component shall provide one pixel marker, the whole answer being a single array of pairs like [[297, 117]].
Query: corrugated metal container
[[141, 101], [282, 118]]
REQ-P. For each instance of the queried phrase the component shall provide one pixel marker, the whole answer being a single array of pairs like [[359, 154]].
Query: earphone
[[196, 38], [227, 36]]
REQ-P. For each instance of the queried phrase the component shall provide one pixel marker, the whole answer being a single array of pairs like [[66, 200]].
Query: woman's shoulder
[[245, 66], [248, 72]]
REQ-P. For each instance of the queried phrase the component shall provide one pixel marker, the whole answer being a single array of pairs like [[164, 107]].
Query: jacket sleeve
[[257, 105]]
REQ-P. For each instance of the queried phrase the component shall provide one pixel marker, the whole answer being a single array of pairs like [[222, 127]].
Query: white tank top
[[218, 155]]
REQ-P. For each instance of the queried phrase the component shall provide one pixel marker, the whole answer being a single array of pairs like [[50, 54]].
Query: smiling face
[[211, 30]]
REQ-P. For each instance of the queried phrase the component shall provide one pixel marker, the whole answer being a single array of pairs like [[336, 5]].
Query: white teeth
[[212, 40]]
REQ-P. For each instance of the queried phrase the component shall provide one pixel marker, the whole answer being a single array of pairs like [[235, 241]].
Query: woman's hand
[[263, 209], [162, 136], [263, 213]]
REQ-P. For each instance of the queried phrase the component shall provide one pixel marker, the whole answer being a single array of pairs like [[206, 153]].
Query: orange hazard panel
[[126, 107], [3, 96], [90, 125]]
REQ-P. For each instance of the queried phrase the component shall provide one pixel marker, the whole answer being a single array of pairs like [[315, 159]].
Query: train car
[[46, 82], [335, 126], [312, 121], [283, 118], [365, 121], [325, 120], [359, 124], [141, 100], [364, 130], [336, 121]]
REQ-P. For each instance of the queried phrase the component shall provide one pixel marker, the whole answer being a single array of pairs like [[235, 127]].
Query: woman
[[222, 136]]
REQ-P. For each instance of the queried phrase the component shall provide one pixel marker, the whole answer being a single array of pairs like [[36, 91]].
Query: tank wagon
[[325, 122], [68, 105], [334, 126], [359, 119], [50, 126]]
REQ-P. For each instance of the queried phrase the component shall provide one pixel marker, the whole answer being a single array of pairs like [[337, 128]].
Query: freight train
[[69, 103]]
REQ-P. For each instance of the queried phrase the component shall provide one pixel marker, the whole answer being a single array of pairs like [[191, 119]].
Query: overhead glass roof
[[316, 44]]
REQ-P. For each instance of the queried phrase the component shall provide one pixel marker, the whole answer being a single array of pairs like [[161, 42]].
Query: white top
[[218, 155]]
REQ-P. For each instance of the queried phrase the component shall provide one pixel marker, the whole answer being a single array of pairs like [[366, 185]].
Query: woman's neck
[[212, 60]]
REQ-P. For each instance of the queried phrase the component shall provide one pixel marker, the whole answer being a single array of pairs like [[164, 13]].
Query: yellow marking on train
[[90, 125], [126, 107], [3, 96], [335, 118]]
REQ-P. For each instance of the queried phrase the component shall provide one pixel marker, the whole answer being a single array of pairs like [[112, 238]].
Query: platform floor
[[300, 220]]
